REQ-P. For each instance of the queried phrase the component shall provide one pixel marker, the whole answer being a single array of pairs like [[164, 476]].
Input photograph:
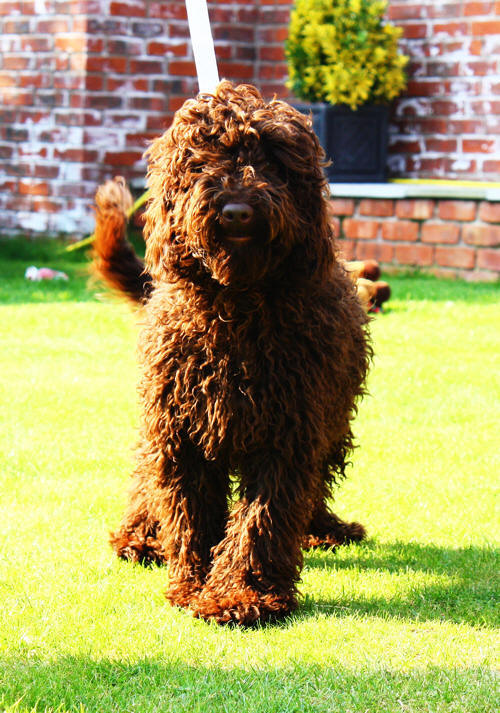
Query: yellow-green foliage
[[342, 52]]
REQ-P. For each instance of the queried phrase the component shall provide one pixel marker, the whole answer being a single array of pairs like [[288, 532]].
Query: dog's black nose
[[237, 214]]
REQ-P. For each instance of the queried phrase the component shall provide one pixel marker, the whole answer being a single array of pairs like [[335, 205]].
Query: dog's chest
[[228, 387]]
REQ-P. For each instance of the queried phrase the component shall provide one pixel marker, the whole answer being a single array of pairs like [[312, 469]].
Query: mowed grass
[[407, 622]]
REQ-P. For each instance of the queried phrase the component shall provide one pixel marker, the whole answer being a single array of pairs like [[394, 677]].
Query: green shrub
[[342, 52]]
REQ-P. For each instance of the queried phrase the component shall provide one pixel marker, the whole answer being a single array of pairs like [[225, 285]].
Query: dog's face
[[237, 188]]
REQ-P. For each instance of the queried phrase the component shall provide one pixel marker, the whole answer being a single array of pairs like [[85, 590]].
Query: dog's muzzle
[[238, 223]]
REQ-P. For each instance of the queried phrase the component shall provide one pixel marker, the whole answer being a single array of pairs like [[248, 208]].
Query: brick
[[273, 34], [489, 259], [128, 9], [360, 229], [491, 167], [170, 11], [15, 62], [457, 210], [347, 249], [374, 251], [46, 171], [378, 208], [275, 54], [29, 43], [46, 206], [250, 54], [106, 64], [15, 97], [404, 145], [477, 8], [441, 145], [481, 235], [445, 273], [150, 29], [146, 66], [490, 212], [404, 11], [236, 70], [451, 28], [122, 158], [52, 27], [441, 9], [480, 68], [33, 188], [71, 43], [440, 233], [404, 230], [76, 155], [342, 206], [417, 209], [487, 27], [455, 257], [125, 46], [168, 49], [147, 103], [479, 145], [414, 31], [16, 134], [95, 44], [422, 255], [179, 68]]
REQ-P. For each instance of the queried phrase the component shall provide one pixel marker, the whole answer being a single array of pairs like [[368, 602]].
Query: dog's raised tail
[[114, 259]]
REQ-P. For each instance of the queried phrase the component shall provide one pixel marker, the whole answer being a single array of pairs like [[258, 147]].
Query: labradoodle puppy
[[253, 352]]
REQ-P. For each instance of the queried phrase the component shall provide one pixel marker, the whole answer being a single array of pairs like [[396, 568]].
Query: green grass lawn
[[407, 622]]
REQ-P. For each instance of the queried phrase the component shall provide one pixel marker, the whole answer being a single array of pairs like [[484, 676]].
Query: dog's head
[[237, 189]]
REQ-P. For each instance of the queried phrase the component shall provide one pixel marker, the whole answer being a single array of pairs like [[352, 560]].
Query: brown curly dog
[[253, 353]]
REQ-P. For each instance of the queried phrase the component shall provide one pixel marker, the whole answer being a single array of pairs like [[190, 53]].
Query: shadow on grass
[[466, 590], [81, 683]]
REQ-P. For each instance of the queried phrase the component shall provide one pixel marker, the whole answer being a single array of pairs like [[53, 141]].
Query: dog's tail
[[114, 259]]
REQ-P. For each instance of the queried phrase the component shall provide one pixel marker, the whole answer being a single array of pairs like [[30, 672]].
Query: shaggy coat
[[253, 353]]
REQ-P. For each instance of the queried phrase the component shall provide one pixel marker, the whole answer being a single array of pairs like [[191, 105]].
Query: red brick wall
[[448, 123], [453, 238], [84, 84]]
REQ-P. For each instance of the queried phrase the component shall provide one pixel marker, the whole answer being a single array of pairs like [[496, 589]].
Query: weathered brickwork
[[85, 84], [448, 123], [454, 238]]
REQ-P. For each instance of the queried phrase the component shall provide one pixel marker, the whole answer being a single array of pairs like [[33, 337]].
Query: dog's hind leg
[[138, 537], [327, 530]]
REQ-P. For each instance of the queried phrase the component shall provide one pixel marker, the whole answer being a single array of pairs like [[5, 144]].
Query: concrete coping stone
[[400, 188]]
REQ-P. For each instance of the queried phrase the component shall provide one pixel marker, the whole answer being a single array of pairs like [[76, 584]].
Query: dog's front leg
[[192, 507], [176, 513], [257, 565]]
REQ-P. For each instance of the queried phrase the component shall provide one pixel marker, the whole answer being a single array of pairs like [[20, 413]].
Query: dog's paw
[[242, 607], [341, 534], [114, 196], [145, 551]]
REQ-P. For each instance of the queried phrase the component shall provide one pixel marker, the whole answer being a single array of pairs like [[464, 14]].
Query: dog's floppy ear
[[167, 183], [314, 252]]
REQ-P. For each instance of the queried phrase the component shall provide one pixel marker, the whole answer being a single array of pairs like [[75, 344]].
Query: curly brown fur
[[114, 259], [253, 354]]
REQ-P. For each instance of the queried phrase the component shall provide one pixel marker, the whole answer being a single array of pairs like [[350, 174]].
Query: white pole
[[203, 45]]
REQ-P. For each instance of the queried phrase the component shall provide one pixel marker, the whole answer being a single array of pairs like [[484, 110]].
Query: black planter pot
[[355, 141]]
